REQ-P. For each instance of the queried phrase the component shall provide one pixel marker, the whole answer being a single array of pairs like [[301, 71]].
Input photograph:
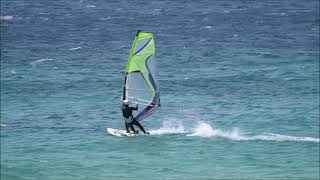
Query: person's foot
[[136, 132], [147, 133]]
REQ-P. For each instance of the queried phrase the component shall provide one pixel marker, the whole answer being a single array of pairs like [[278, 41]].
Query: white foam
[[278, 14], [169, 128], [279, 137], [105, 18], [205, 130], [3, 125], [13, 71], [207, 27], [6, 17], [75, 48], [91, 6], [41, 60], [202, 129]]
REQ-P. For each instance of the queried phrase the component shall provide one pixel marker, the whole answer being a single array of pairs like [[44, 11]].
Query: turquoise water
[[239, 90]]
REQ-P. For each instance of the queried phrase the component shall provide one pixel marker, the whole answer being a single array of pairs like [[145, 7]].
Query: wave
[[277, 14], [90, 6], [279, 137], [41, 60], [206, 27], [8, 18], [75, 48], [202, 129], [10, 71]]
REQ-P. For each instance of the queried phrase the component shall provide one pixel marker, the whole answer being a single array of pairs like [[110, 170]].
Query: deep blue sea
[[239, 89]]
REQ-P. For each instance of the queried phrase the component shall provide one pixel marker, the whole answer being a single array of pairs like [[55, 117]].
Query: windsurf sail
[[141, 85]]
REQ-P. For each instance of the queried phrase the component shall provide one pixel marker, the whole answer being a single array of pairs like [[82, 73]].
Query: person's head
[[125, 102]]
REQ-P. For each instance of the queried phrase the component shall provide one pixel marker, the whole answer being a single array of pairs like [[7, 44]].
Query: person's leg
[[131, 126], [129, 123], [127, 127], [135, 122]]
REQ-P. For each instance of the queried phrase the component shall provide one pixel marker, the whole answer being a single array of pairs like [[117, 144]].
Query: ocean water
[[239, 89]]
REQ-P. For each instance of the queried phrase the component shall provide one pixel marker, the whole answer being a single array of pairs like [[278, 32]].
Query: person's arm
[[135, 108]]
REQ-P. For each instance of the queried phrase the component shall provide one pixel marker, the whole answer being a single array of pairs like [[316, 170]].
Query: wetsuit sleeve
[[135, 108]]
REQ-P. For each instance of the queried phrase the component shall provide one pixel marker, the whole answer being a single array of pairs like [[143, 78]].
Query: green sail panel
[[141, 82]]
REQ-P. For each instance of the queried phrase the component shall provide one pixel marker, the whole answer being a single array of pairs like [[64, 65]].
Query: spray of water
[[169, 128], [202, 129]]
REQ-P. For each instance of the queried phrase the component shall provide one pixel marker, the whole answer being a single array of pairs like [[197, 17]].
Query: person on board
[[129, 119]]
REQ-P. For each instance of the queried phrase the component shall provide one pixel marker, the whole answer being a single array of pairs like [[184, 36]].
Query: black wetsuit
[[127, 113]]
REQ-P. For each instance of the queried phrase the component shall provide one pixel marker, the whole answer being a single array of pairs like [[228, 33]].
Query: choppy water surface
[[239, 90]]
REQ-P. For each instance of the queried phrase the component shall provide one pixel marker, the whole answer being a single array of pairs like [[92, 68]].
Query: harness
[[128, 120]]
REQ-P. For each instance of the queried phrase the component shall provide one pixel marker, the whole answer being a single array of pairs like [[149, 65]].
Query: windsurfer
[[129, 119]]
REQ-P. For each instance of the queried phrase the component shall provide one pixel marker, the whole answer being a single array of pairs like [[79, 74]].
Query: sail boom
[[138, 89], [144, 104], [138, 99]]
